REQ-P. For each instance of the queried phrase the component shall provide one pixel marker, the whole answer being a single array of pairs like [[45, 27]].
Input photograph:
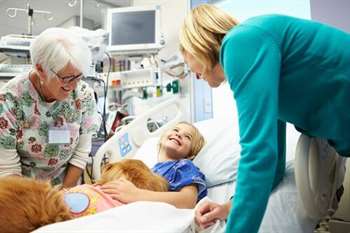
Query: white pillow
[[218, 159], [148, 152]]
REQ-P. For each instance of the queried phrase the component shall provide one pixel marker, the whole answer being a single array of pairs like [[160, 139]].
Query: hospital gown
[[180, 173]]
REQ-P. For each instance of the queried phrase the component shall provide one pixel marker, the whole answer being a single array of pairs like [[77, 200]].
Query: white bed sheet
[[282, 214], [143, 217], [140, 217]]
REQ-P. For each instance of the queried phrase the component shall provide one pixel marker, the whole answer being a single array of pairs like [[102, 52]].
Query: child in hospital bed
[[27, 204], [187, 185]]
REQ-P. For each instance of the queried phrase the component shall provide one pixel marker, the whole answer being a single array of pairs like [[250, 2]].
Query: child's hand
[[122, 190]]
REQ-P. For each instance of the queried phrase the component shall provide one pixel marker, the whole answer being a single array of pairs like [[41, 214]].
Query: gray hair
[[54, 48]]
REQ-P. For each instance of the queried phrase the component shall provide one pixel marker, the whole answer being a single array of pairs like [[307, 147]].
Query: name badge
[[59, 135]]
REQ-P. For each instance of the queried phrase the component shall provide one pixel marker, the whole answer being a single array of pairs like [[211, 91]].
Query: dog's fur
[[136, 172], [27, 204]]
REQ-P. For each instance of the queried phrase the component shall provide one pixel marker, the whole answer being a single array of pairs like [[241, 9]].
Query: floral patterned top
[[25, 119]]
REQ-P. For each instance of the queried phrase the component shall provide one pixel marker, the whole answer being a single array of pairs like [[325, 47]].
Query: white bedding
[[282, 214], [140, 217]]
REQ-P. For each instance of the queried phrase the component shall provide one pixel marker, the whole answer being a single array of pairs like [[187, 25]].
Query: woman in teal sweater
[[280, 69]]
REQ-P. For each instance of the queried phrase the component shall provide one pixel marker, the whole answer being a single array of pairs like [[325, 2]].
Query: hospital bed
[[218, 160]]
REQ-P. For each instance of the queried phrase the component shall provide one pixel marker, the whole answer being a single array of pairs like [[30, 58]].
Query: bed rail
[[129, 138]]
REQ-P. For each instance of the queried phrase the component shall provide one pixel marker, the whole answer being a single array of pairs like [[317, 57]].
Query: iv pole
[[72, 3], [81, 13], [12, 12]]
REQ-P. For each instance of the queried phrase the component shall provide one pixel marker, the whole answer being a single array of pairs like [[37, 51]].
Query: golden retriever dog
[[27, 204], [136, 172]]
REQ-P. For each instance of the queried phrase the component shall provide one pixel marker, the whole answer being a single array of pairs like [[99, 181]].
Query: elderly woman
[[48, 116], [280, 69]]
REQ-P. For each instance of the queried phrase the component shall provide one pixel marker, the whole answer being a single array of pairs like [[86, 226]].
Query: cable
[[105, 96], [105, 90], [104, 100]]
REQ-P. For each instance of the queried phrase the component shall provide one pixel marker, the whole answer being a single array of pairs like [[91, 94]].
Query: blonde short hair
[[197, 142], [202, 32]]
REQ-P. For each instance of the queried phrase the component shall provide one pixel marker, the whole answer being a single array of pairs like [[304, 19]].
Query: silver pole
[[81, 13], [30, 23], [30, 19]]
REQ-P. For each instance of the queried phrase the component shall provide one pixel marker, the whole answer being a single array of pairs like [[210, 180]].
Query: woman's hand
[[123, 191], [209, 212]]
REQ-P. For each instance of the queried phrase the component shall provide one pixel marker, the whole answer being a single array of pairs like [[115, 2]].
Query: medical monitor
[[134, 29]]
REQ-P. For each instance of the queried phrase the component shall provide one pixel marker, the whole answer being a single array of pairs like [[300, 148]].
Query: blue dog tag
[[77, 202]]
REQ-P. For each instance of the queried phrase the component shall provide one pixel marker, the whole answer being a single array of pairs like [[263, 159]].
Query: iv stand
[[81, 13], [72, 3], [12, 12]]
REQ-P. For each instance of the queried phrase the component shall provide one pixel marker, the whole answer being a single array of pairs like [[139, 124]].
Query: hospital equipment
[[319, 173], [130, 79], [11, 70], [218, 160], [12, 12], [16, 45], [134, 30]]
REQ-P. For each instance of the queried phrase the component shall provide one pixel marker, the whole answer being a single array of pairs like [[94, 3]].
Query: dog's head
[[27, 204], [136, 172]]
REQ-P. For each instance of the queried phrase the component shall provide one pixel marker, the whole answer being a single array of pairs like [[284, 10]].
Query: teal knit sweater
[[282, 69]]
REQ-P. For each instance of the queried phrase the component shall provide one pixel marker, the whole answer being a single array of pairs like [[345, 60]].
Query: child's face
[[178, 142]]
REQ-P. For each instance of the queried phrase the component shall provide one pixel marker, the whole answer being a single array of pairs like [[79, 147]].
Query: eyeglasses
[[69, 79]]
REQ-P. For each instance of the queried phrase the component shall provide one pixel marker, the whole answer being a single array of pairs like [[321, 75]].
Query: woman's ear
[[40, 71]]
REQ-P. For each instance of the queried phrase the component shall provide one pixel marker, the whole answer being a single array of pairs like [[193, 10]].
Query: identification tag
[[59, 135]]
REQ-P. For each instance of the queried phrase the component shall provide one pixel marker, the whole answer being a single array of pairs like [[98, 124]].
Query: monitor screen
[[133, 28]]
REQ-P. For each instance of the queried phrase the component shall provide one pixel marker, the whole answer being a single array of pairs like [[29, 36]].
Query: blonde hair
[[197, 141], [27, 204], [202, 32]]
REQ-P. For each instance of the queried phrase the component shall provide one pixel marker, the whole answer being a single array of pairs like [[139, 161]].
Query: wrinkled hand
[[122, 190], [209, 212]]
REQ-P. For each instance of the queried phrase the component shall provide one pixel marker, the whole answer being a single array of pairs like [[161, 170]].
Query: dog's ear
[[158, 183], [107, 167]]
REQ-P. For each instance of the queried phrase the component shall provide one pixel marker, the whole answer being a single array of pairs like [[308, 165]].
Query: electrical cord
[[105, 90], [105, 96]]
